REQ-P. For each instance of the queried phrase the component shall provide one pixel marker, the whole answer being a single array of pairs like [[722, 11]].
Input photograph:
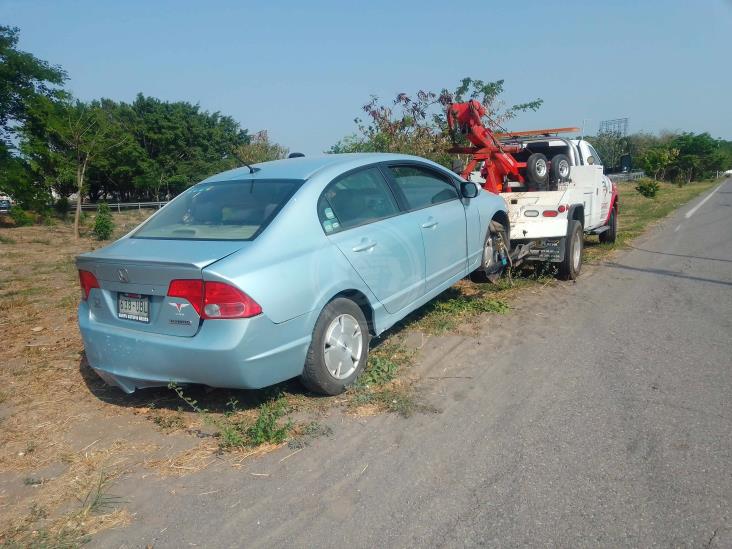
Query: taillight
[[215, 299], [549, 213], [192, 290], [87, 281]]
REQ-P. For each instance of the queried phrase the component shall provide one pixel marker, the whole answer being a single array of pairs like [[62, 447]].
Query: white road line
[[695, 208], [676, 230]]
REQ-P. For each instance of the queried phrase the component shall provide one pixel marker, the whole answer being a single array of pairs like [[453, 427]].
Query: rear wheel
[[569, 268], [560, 168], [537, 169], [496, 244], [339, 348], [609, 236]]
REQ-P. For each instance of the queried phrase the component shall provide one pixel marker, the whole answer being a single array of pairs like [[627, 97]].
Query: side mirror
[[590, 160], [469, 189]]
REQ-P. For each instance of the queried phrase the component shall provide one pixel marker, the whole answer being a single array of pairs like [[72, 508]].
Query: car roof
[[305, 167]]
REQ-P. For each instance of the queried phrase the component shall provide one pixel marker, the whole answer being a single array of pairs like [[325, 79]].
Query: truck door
[[592, 183]]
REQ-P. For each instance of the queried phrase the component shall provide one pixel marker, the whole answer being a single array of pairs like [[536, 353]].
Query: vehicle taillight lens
[[550, 213], [192, 290], [214, 300], [224, 301], [87, 281]]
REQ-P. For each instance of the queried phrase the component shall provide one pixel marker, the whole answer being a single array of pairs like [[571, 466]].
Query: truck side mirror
[[590, 160], [468, 189]]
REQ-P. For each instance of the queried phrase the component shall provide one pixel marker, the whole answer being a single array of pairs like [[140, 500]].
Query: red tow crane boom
[[499, 162]]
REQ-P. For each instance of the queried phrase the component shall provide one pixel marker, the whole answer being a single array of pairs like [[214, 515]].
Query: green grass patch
[[6, 240], [456, 306], [236, 429]]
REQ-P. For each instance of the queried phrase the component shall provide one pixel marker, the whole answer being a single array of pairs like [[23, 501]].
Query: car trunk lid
[[134, 276]]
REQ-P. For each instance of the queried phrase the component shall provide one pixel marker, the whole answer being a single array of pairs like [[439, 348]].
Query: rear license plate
[[133, 307]]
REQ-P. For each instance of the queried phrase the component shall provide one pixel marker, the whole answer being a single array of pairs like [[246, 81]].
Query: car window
[[422, 187], [357, 198], [593, 152], [221, 210]]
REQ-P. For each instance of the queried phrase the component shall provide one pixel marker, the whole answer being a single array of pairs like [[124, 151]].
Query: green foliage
[[418, 124], [234, 431], [24, 79], [266, 428], [20, 217], [103, 222], [62, 207], [380, 370], [259, 149], [657, 160], [647, 187]]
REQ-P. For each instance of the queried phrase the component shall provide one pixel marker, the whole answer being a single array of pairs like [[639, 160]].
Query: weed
[[103, 223], [265, 428], [167, 423], [37, 512], [236, 432], [97, 499], [44, 241], [647, 188], [32, 481], [447, 313], [6, 240]]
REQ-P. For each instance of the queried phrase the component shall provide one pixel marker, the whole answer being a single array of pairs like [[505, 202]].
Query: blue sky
[[302, 70]]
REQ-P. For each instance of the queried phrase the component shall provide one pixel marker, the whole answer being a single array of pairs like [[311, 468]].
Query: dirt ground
[[67, 439]]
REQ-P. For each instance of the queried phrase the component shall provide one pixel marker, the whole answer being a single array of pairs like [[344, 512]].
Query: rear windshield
[[230, 210]]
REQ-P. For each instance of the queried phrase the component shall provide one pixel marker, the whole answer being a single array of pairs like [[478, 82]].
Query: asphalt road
[[598, 414]]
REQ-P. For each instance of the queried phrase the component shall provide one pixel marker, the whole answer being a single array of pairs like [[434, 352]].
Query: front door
[[433, 198]]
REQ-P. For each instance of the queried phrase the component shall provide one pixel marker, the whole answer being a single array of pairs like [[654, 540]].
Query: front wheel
[[495, 249], [338, 350], [609, 236], [569, 268]]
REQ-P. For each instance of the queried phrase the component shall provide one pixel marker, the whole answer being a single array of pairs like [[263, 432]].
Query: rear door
[[360, 215], [434, 200]]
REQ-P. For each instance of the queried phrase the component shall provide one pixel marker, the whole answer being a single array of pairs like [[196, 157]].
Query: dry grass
[[50, 400]]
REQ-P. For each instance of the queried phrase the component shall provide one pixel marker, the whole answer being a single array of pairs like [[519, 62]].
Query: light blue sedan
[[283, 269]]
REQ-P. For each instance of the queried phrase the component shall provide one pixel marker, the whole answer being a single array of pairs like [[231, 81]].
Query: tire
[[560, 168], [340, 332], [609, 236], [491, 267], [569, 268], [537, 169]]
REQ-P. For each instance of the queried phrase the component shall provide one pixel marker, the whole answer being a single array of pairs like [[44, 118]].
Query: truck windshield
[[224, 210]]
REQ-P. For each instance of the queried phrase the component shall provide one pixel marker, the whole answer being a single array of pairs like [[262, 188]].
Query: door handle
[[365, 246], [429, 224]]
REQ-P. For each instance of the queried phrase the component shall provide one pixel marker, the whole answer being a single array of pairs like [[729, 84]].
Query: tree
[[418, 124], [610, 146], [86, 131], [23, 79], [27, 85], [655, 161], [259, 149]]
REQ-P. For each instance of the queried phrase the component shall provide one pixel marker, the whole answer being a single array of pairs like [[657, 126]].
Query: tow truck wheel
[[569, 268], [560, 168], [496, 244], [537, 169], [609, 236]]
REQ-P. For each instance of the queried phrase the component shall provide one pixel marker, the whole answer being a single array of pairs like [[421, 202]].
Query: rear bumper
[[238, 354]]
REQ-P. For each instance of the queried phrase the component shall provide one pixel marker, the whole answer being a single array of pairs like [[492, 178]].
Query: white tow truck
[[566, 196]]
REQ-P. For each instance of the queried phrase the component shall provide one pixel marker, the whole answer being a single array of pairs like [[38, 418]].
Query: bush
[[647, 188], [20, 217], [62, 207], [103, 223]]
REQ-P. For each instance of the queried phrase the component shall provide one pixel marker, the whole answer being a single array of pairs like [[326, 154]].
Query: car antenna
[[252, 169]]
